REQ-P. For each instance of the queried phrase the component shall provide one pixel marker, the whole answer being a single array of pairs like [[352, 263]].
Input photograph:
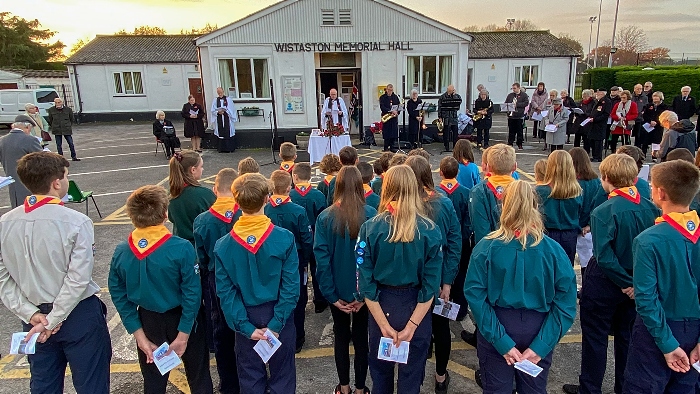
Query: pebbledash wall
[[305, 46]]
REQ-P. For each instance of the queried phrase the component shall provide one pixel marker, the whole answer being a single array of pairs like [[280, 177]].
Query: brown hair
[[397, 159], [540, 170], [350, 194], [463, 151], [449, 167], [419, 152], [697, 158], [680, 154], [501, 159], [248, 166], [383, 163], [582, 164], [251, 191], [678, 178], [288, 151], [366, 171], [280, 181], [330, 164], [634, 152], [348, 156], [424, 176], [147, 206], [39, 169], [302, 171], [619, 169], [224, 180], [180, 175]]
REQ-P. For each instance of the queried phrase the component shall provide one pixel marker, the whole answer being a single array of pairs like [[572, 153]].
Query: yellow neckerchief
[[487, 175], [144, 241], [392, 207], [224, 208], [35, 201], [449, 185], [497, 184], [303, 188], [685, 223], [368, 190], [277, 199], [251, 231], [327, 180], [287, 166], [630, 193]]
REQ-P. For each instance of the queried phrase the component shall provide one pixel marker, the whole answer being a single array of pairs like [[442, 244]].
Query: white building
[[307, 47], [131, 77]]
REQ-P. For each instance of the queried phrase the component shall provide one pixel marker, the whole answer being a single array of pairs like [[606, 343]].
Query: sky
[[668, 23]]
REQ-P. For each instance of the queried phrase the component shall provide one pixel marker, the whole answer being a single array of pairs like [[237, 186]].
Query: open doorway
[[346, 82]]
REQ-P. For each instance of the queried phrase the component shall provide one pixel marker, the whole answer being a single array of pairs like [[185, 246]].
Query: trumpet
[[387, 117]]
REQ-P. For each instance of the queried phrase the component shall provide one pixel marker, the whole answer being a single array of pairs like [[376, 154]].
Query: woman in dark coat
[[414, 119], [193, 114], [568, 102], [581, 132], [483, 106], [164, 131], [651, 116]]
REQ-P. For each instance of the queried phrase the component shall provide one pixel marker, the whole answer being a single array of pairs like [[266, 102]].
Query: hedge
[[668, 81], [605, 77]]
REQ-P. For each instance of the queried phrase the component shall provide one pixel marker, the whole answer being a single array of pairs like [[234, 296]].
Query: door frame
[[355, 70]]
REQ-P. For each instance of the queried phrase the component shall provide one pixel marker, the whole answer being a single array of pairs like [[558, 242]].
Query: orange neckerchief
[[629, 193], [224, 208], [144, 241], [391, 207], [368, 190], [327, 180], [35, 201], [449, 185], [251, 231], [303, 188], [685, 223], [287, 166], [497, 184], [277, 199], [487, 175]]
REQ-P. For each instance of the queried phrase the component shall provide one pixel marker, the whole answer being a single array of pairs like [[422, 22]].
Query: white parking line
[[118, 154], [118, 170]]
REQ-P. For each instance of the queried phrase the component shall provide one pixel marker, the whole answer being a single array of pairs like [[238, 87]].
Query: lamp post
[[612, 45], [510, 23], [590, 37], [597, 36]]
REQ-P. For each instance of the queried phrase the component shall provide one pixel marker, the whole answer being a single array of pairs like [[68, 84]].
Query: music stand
[[423, 107], [403, 127]]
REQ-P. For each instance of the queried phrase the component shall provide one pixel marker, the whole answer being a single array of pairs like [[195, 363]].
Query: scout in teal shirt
[[211, 225], [187, 198], [304, 195], [561, 214], [371, 198], [485, 205], [457, 193]]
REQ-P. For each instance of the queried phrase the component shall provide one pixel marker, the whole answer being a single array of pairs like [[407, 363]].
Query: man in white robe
[[223, 115], [335, 109]]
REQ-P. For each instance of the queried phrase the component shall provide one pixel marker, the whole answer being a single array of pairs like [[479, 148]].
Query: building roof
[[518, 44], [38, 73], [135, 49]]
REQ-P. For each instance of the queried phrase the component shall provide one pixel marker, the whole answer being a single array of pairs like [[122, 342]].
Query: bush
[[604, 77], [669, 80]]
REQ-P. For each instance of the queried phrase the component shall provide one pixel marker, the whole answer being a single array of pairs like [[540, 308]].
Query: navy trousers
[[604, 309], [83, 343], [252, 372], [567, 239], [318, 296], [224, 344], [300, 309], [647, 372], [457, 292], [497, 376], [398, 305], [59, 144]]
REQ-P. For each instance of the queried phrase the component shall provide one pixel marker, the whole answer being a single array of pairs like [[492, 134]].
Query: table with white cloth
[[321, 146]]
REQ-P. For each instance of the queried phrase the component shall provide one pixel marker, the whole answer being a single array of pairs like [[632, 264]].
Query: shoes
[[300, 345], [441, 388], [520, 146], [75, 159], [468, 337], [319, 307], [570, 388], [477, 378]]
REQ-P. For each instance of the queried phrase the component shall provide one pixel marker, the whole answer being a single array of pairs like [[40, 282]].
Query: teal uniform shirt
[[591, 189], [459, 196], [445, 217], [468, 175], [562, 214], [614, 224], [666, 272], [695, 205], [207, 230], [372, 199], [377, 185], [293, 217], [538, 278], [335, 258], [484, 211], [314, 202], [186, 207], [331, 192], [165, 279], [421, 259], [323, 187], [644, 188], [245, 279]]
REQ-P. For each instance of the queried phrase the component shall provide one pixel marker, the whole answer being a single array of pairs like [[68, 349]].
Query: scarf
[[251, 231], [277, 199], [497, 184], [368, 190], [449, 185], [224, 208], [629, 193], [35, 201], [287, 166], [392, 207], [327, 180], [685, 223], [303, 188], [623, 109], [144, 241]]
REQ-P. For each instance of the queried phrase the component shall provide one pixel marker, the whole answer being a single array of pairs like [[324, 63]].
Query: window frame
[[122, 84], [234, 76], [518, 71], [336, 17], [436, 79]]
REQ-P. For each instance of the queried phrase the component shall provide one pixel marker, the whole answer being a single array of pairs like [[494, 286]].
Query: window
[[527, 76], [337, 59], [329, 17], [46, 96], [428, 74], [345, 17], [128, 83], [248, 78]]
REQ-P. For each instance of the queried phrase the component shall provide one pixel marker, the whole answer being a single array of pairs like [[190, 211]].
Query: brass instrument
[[440, 125], [388, 116], [421, 113], [478, 115]]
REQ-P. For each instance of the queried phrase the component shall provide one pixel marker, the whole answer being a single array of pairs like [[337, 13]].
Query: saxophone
[[388, 116]]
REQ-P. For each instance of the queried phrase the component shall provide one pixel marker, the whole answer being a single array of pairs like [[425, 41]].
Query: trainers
[[570, 388], [75, 159], [520, 146], [441, 388]]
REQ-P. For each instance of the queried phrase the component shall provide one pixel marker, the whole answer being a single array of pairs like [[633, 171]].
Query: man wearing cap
[[13, 146], [599, 124]]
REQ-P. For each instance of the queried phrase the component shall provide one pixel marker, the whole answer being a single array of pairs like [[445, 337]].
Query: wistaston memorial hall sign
[[343, 46]]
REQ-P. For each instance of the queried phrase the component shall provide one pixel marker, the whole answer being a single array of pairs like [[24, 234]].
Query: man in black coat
[[61, 120], [448, 109], [599, 124], [390, 128], [683, 105], [515, 118]]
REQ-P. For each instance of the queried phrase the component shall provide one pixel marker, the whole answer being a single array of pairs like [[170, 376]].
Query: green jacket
[[293, 217], [562, 214], [444, 216], [185, 208], [61, 120]]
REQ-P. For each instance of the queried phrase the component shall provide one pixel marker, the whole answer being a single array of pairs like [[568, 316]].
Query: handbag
[[45, 136]]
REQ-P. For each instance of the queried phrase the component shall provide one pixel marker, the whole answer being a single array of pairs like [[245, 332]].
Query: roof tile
[[135, 49], [518, 44]]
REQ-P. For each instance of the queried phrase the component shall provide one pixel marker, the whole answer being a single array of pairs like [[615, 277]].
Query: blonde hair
[[250, 192], [400, 187], [280, 181], [619, 170], [667, 119], [520, 216], [540, 170], [224, 180], [501, 159], [159, 113], [561, 176], [660, 95], [554, 92]]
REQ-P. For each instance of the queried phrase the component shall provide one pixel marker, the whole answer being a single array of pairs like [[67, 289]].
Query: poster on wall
[[293, 95]]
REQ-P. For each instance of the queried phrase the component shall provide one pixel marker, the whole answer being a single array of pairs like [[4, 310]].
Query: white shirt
[[46, 256]]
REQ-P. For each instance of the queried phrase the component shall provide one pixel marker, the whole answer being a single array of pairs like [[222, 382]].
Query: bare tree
[[518, 25], [472, 29], [572, 42], [524, 25], [632, 39]]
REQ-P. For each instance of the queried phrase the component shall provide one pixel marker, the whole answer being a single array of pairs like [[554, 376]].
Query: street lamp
[[590, 37], [510, 23], [597, 37], [612, 44]]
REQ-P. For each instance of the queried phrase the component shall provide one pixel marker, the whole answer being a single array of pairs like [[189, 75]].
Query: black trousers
[[342, 335], [457, 292], [389, 142], [626, 140], [515, 129], [449, 133], [552, 148], [413, 139], [162, 327], [318, 296], [485, 134], [596, 149], [300, 310], [443, 343]]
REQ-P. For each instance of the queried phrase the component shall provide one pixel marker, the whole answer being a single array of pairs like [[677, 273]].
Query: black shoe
[[75, 159], [570, 388], [477, 378], [441, 388], [364, 391], [468, 337], [300, 345], [319, 307]]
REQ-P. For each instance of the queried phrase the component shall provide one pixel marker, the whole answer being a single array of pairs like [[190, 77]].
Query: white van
[[12, 102]]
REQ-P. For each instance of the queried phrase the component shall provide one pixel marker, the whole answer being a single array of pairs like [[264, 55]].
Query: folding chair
[[75, 195], [162, 145]]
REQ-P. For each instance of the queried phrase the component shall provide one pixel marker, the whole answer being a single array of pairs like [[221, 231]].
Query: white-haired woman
[[41, 125], [553, 94], [164, 131], [414, 118]]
